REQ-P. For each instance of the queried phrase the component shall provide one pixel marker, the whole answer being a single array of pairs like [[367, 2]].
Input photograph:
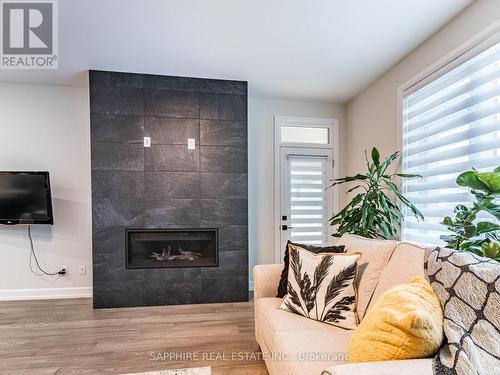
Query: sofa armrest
[[266, 278], [406, 367]]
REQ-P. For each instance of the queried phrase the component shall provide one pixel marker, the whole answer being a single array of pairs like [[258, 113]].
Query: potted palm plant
[[375, 211]]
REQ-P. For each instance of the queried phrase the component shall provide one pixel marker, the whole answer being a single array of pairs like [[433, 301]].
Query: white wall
[[261, 166], [47, 128], [372, 114]]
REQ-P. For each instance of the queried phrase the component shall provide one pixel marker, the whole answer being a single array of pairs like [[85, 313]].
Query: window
[[450, 125], [302, 134], [308, 180], [304, 131]]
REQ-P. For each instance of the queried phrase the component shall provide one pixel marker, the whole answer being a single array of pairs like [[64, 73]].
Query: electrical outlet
[[83, 269]]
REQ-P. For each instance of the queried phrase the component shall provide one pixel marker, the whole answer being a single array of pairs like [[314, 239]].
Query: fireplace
[[168, 185], [171, 248]]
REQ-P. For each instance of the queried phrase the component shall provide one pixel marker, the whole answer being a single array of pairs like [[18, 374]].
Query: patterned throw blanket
[[468, 287]]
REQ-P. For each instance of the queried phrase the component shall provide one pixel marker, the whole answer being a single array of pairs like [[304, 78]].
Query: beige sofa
[[292, 344]]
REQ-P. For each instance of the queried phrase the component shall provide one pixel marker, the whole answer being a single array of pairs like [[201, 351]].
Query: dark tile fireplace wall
[[167, 185]]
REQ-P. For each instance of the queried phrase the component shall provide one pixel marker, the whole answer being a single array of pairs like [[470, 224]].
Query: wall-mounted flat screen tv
[[25, 198]]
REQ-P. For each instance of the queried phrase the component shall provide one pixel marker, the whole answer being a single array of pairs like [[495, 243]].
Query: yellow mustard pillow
[[406, 322]]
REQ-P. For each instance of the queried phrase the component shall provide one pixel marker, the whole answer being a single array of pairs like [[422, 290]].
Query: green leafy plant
[[374, 212], [482, 237]]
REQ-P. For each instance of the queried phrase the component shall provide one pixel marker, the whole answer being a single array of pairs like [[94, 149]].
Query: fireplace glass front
[[171, 248]]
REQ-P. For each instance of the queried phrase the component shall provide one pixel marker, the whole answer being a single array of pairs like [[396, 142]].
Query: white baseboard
[[53, 293], [45, 293]]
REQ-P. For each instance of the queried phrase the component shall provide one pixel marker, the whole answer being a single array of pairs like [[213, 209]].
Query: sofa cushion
[[406, 262], [406, 322], [321, 287], [405, 367], [374, 257], [268, 313], [277, 327], [311, 351]]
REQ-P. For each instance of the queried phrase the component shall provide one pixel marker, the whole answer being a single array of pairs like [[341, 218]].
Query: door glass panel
[[307, 199]]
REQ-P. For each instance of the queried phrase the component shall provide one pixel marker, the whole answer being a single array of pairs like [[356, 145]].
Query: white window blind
[[450, 125], [307, 199]]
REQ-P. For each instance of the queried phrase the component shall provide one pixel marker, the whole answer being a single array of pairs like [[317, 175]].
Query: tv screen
[[25, 198]]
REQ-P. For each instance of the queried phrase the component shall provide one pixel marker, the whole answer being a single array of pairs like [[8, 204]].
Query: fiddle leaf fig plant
[[480, 237], [375, 211]]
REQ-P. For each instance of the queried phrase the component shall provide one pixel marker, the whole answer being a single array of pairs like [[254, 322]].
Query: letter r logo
[[27, 28]]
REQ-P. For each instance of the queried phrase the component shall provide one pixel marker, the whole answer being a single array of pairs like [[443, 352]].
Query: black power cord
[[33, 255]]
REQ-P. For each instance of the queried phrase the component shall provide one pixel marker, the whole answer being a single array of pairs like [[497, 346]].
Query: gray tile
[[99, 78], [223, 159], [116, 128], [233, 257], [119, 79], [223, 107], [109, 240], [114, 156], [234, 264], [228, 270], [223, 133], [164, 185], [224, 212], [116, 100], [170, 83], [108, 212], [223, 86], [233, 238], [117, 184], [119, 294], [173, 292], [171, 158], [224, 185], [224, 289], [107, 266], [111, 267], [171, 104], [168, 212], [172, 131], [167, 274]]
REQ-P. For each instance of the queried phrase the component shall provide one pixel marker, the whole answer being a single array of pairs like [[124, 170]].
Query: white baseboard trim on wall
[[45, 293]]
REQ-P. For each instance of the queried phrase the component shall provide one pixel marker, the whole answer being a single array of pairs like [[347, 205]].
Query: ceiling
[[326, 50]]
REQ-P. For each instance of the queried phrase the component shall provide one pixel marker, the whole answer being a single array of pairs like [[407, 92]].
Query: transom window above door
[[304, 132]]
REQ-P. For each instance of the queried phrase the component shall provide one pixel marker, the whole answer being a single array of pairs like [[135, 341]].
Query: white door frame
[[279, 121]]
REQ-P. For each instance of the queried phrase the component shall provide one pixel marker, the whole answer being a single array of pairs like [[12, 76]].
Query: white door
[[306, 202]]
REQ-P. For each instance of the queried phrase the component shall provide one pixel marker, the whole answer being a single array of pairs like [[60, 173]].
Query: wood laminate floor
[[69, 337]]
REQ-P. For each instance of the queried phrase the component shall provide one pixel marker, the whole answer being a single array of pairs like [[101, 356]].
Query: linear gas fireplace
[[171, 248]]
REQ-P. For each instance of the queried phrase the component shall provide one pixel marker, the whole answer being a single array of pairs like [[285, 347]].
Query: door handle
[[286, 227]]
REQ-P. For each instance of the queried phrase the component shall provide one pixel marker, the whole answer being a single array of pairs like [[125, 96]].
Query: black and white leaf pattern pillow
[[322, 287]]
